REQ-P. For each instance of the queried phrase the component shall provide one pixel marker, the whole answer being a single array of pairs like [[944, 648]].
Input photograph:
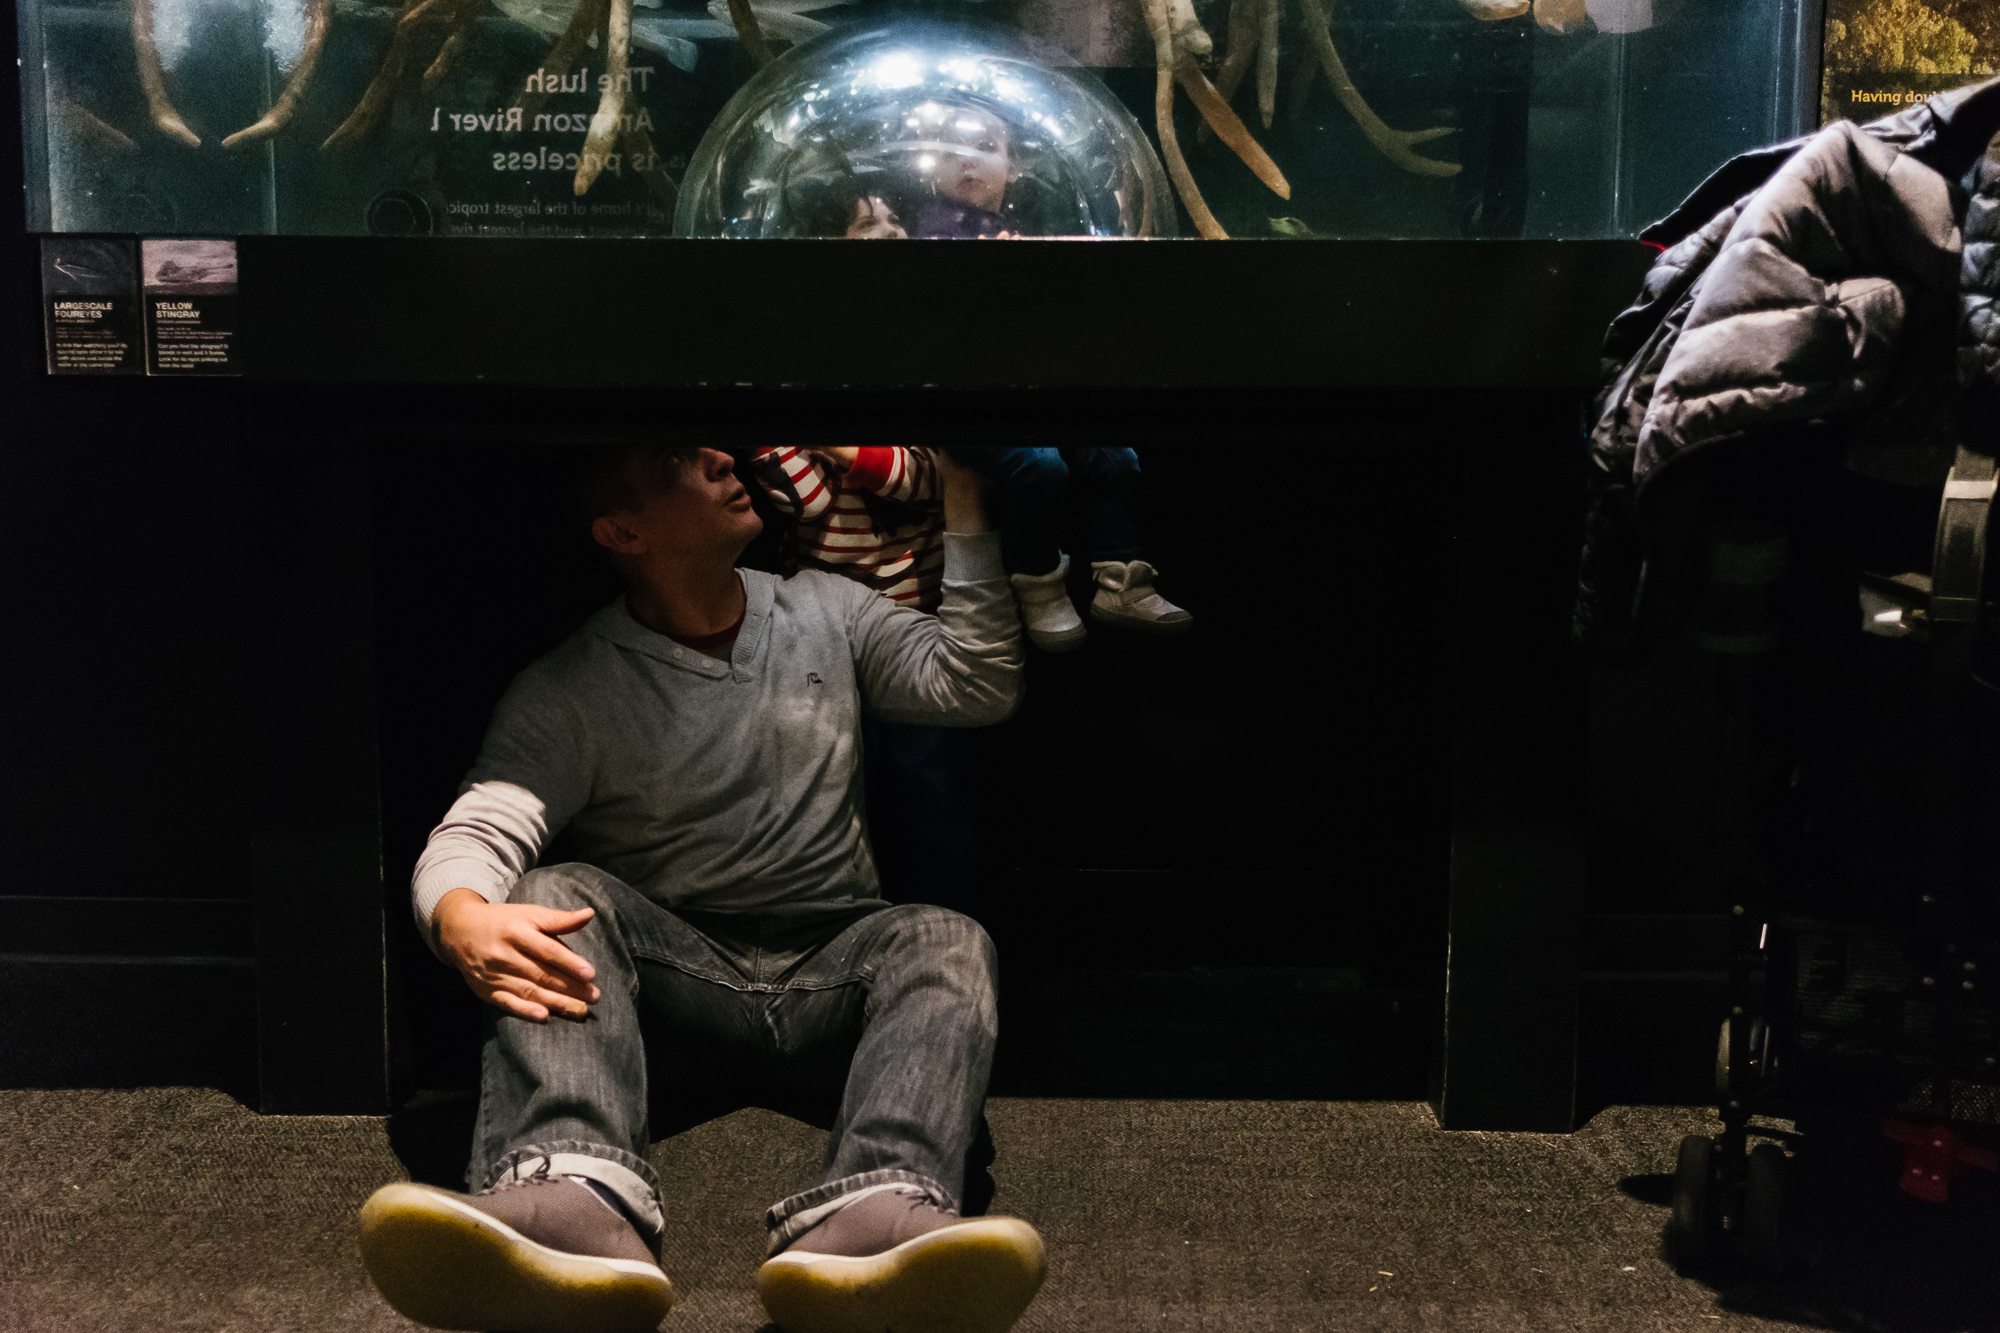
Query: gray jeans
[[892, 1005]]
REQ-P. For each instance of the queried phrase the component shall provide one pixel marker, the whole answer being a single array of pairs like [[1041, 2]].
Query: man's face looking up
[[694, 511], [974, 156]]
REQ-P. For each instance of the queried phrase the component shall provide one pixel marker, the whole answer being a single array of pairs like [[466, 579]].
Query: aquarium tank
[[1102, 119]]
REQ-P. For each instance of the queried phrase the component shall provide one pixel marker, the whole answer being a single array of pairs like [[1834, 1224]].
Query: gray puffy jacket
[[1844, 283]]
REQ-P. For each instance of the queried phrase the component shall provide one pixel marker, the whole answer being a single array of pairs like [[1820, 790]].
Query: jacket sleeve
[[1614, 569], [958, 668], [795, 480]]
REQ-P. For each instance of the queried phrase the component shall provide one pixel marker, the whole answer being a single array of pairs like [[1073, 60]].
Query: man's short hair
[[607, 480]]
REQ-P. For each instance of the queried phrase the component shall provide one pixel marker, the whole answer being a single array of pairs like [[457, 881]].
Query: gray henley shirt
[[725, 786]]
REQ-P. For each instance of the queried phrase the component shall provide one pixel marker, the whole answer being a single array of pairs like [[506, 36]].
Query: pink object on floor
[[1933, 1156]]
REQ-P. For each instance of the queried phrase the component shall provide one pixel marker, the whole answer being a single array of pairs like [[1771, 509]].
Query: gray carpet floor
[[180, 1209]]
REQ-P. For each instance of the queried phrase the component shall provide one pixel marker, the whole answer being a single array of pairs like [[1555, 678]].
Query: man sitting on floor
[[699, 739]]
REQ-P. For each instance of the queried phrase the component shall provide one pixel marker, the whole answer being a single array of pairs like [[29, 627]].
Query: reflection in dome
[[925, 130]]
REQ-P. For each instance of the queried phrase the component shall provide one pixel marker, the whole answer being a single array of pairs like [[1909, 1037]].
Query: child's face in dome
[[976, 159], [873, 220]]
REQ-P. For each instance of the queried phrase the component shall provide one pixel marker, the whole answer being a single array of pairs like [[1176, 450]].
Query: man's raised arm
[[961, 667], [964, 498]]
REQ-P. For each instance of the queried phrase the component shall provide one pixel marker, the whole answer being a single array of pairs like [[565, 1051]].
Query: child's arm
[[796, 481], [907, 476]]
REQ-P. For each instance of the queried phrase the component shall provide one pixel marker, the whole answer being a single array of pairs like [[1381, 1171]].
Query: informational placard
[[1884, 55], [190, 306], [90, 305]]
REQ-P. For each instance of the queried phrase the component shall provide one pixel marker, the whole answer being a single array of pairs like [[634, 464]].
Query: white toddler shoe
[[1125, 597], [1052, 623]]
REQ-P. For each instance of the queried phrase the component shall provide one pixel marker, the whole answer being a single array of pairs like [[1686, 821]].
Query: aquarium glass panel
[[883, 119]]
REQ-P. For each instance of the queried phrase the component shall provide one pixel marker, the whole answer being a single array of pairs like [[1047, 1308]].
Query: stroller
[[1859, 767], [1857, 778]]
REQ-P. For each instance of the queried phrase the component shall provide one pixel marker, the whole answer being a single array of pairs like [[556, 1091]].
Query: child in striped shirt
[[872, 514], [875, 515]]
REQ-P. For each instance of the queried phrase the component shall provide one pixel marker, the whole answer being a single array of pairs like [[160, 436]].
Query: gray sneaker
[[544, 1254], [893, 1260]]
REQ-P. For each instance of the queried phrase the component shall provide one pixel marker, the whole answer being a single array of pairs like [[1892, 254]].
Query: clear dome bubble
[[924, 129]]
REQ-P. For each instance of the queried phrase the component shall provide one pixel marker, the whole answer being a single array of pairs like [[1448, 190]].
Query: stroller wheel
[[1764, 1208], [1694, 1174]]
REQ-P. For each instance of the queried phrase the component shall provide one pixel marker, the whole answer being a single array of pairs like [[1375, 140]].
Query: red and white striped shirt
[[836, 531]]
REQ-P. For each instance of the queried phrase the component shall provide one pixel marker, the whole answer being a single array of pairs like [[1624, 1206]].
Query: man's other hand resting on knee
[[511, 955]]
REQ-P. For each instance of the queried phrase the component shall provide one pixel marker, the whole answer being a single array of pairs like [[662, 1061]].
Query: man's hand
[[508, 954], [964, 509]]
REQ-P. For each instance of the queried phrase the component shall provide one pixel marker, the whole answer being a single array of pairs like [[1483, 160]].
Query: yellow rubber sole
[[975, 1277], [445, 1264]]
